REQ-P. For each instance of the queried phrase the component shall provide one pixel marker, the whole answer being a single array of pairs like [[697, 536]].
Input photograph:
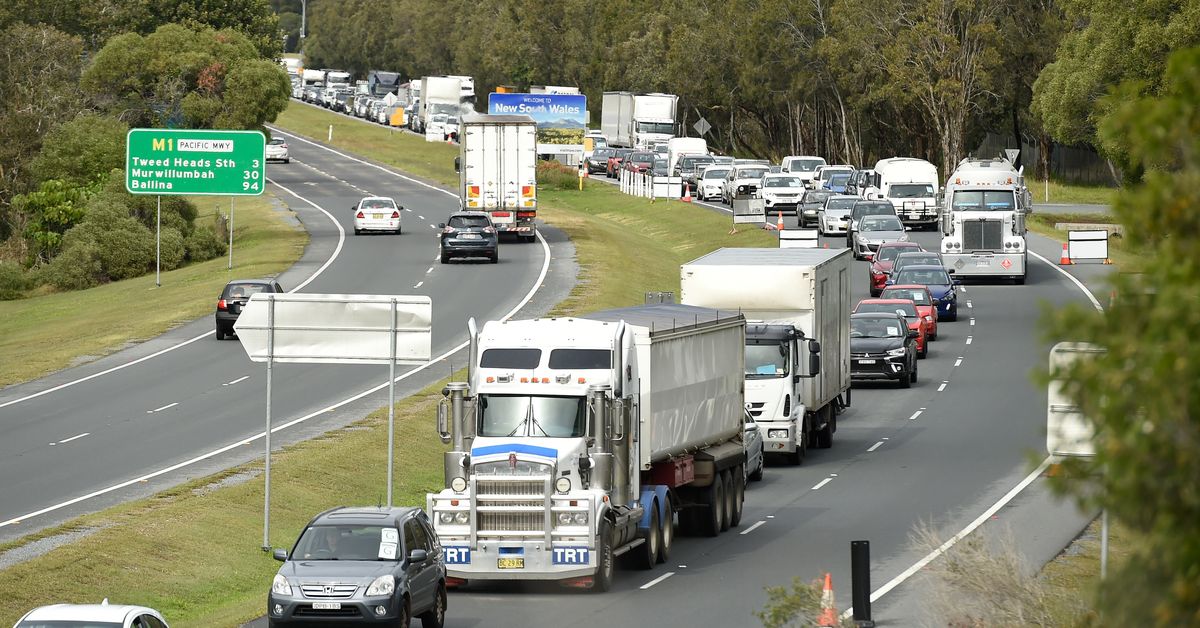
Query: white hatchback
[[91, 615], [377, 213], [277, 150]]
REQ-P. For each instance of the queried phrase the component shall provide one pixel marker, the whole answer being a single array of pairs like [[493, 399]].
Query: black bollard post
[[860, 583]]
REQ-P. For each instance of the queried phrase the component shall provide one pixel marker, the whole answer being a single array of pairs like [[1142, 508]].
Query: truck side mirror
[[814, 364], [458, 164]]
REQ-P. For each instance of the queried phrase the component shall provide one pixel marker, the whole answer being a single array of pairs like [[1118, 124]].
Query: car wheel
[[436, 616], [405, 618], [357, 231], [796, 458], [913, 377], [924, 350], [825, 434], [445, 257], [287, 161], [220, 333], [399, 230], [757, 474], [496, 257]]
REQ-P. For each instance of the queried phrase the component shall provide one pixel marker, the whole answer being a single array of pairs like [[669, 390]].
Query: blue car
[[838, 182], [940, 285]]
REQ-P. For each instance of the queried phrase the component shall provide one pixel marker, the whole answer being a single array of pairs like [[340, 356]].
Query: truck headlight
[[777, 433], [564, 518], [580, 518], [280, 586], [562, 485], [382, 586], [446, 517], [458, 485], [461, 517]]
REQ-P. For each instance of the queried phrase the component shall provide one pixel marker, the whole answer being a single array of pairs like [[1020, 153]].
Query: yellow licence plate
[[377, 216], [510, 563]]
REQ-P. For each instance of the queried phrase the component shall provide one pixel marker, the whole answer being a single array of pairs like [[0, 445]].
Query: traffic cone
[[780, 225], [687, 193], [828, 615], [1065, 260]]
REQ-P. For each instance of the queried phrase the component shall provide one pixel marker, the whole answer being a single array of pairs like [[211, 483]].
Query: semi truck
[[797, 302], [912, 186], [578, 440], [983, 220], [381, 83], [630, 120], [439, 94], [497, 168]]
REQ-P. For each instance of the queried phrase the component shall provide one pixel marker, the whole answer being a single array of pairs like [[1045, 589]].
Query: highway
[[97, 440]]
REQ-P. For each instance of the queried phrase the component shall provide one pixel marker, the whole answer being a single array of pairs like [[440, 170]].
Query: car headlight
[[896, 353], [383, 585], [562, 485], [458, 485], [461, 517], [280, 586]]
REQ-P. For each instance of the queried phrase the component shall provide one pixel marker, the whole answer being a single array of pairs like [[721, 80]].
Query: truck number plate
[[327, 606], [510, 563], [983, 263], [913, 216]]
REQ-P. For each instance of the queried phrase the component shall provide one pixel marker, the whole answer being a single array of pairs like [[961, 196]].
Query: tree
[[82, 150], [1141, 394], [254, 19], [178, 77]]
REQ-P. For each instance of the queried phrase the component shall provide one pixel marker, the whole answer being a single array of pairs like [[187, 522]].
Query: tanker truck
[[579, 440]]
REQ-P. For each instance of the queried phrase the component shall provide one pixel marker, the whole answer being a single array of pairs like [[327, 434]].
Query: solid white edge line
[[316, 273], [240, 379], [243, 441], [657, 580], [821, 483], [169, 405], [75, 437], [875, 446], [1016, 490], [753, 527]]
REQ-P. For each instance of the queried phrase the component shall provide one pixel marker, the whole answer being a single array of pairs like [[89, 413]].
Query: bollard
[[860, 583]]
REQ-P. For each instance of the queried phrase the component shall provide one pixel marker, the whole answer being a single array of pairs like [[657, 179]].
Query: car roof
[[368, 515], [251, 281], [470, 214], [780, 175], [377, 198], [906, 286], [904, 245], [886, 301], [924, 267], [103, 612], [855, 315]]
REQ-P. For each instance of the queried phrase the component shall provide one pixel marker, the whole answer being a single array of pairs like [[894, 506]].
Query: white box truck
[[797, 305], [497, 168], [438, 95], [630, 120], [678, 147], [577, 440]]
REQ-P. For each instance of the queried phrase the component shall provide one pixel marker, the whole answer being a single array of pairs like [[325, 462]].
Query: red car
[[639, 162], [881, 264], [921, 296], [905, 307], [615, 160]]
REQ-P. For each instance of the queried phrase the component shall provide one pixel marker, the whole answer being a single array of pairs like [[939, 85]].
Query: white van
[[803, 166]]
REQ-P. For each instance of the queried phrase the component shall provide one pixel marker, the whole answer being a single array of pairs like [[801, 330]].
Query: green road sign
[[168, 161]]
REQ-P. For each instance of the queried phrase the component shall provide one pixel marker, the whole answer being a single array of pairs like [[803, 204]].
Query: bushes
[[554, 175], [13, 281], [204, 244], [76, 268]]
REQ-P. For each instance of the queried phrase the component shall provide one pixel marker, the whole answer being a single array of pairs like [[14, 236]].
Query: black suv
[[378, 566], [468, 234], [883, 347], [233, 299]]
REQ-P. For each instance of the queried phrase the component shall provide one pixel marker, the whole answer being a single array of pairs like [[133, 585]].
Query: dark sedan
[[940, 285], [883, 347], [468, 234], [810, 204], [598, 160], [234, 297]]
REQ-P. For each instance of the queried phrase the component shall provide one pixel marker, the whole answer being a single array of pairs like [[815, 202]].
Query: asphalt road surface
[[70, 443]]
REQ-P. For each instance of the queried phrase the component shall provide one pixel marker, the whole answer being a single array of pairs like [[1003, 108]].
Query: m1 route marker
[[194, 162]]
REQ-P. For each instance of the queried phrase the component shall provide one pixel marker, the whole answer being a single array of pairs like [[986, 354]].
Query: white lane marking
[[406, 209], [753, 527], [969, 339], [770, 516], [1001, 503], [169, 405], [422, 218], [970, 305], [429, 270], [419, 284], [316, 273], [433, 226], [822, 483], [916, 414], [240, 379], [216, 452], [657, 580], [958, 362], [875, 446], [943, 386], [75, 437], [972, 321]]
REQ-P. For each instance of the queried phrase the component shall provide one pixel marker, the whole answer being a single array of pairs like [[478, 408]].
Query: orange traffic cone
[[1065, 260], [828, 615], [687, 193], [780, 225]]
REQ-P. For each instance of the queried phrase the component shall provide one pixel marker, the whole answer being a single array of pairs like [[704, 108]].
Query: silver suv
[[361, 565]]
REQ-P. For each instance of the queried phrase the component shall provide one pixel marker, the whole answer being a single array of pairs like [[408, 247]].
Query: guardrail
[[648, 186]]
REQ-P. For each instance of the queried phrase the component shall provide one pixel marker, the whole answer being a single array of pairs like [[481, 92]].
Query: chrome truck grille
[[512, 521], [510, 487], [504, 503], [983, 235]]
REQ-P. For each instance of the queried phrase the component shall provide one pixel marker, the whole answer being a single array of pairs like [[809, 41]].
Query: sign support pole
[[158, 245], [231, 201], [266, 544], [391, 403]]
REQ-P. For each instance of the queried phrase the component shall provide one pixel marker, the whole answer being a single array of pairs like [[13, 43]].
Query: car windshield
[[875, 327], [766, 361], [347, 542], [377, 203], [817, 196], [839, 178], [276, 141], [923, 277], [469, 222], [601, 153], [642, 157], [828, 173], [783, 182], [716, 173], [906, 310], [910, 190], [805, 165], [520, 415], [881, 223], [983, 201], [752, 173], [889, 253], [912, 294]]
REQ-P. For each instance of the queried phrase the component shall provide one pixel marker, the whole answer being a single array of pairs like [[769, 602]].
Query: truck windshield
[[805, 165], [910, 190], [664, 128], [984, 201], [766, 361], [522, 415]]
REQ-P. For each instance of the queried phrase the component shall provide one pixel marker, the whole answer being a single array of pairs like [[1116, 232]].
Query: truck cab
[[983, 220]]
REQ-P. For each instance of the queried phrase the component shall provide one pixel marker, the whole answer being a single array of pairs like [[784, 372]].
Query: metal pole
[[1103, 543], [391, 404], [231, 199], [860, 582], [158, 245], [303, 21], [266, 545]]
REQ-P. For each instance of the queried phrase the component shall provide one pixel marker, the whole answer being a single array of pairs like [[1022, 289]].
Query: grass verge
[[98, 321], [1070, 194], [192, 552]]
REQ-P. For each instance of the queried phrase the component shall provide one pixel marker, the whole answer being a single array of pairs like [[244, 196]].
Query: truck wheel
[[714, 510], [796, 458], [825, 434], [668, 530], [727, 482], [738, 478], [647, 555], [603, 579]]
